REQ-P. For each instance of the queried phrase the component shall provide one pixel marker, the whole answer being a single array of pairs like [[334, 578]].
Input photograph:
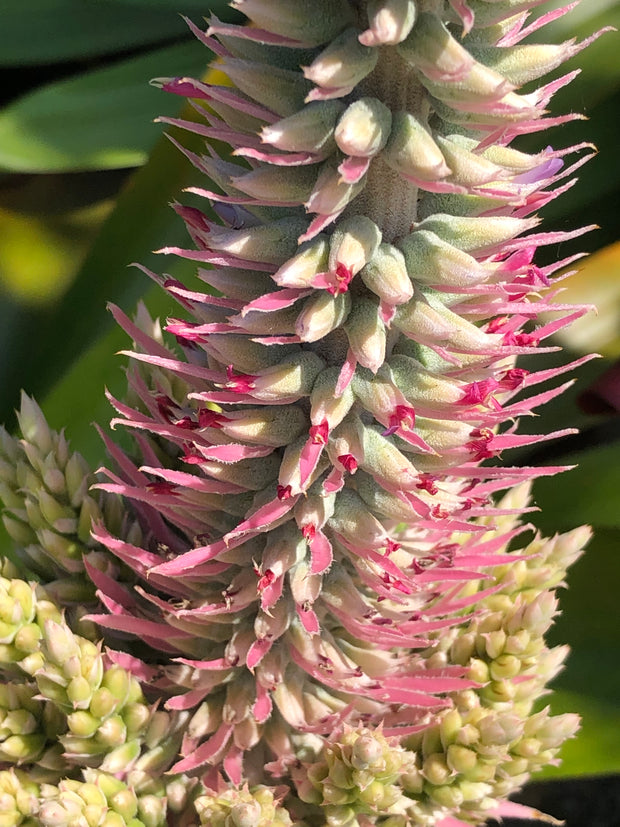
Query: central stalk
[[388, 199]]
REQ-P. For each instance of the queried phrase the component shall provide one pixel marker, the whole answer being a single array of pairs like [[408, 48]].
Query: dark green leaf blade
[[100, 120]]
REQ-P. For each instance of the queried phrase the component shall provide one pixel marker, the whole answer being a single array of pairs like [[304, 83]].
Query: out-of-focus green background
[[85, 182]]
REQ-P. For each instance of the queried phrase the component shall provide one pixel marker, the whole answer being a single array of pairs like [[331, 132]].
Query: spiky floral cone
[[318, 539]]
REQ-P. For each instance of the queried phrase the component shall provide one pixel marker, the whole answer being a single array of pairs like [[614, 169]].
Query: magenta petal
[[233, 764], [188, 700], [346, 374], [276, 300], [257, 652], [263, 705], [321, 553], [139, 626], [264, 516], [207, 753], [334, 481], [308, 618], [353, 169]]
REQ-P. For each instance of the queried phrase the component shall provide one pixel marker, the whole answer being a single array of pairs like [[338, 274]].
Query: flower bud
[[291, 19], [366, 333], [412, 151], [472, 234], [282, 90], [430, 322], [274, 243], [152, 810], [386, 275], [324, 404], [363, 128], [390, 21], [82, 723], [121, 757], [281, 184], [331, 194], [274, 425], [321, 314], [432, 261], [309, 130], [435, 769], [342, 64], [33, 425], [353, 243]]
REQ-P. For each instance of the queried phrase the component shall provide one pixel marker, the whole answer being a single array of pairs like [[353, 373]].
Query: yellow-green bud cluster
[[361, 773], [27, 725], [475, 755], [101, 800], [19, 799], [486, 747], [48, 510], [105, 708], [248, 807], [24, 608]]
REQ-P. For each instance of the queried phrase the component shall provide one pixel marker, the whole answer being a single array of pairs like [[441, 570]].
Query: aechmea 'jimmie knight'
[[314, 575]]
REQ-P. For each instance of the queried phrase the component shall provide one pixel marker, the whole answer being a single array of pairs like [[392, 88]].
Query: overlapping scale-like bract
[[317, 532]]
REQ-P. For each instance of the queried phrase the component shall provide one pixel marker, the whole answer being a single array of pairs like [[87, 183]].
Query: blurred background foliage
[[85, 183]]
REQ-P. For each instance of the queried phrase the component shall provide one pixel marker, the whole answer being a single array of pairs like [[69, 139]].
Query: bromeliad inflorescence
[[322, 590]]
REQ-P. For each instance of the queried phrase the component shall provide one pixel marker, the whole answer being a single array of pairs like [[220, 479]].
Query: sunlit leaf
[[41, 254], [99, 120]]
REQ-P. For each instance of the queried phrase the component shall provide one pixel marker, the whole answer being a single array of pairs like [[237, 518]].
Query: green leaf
[[100, 120], [48, 31], [219, 7], [587, 494]]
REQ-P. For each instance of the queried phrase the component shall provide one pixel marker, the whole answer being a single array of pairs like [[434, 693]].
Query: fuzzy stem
[[388, 199]]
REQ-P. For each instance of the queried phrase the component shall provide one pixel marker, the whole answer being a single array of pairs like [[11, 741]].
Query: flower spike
[[301, 552]]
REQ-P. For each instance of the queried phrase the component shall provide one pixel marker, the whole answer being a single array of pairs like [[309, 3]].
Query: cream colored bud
[[364, 128], [300, 269], [366, 333], [309, 130], [331, 194], [505, 667], [412, 151], [390, 21], [324, 404], [343, 64], [386, 275], [353, 243], [321, 314], [435, 769]]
